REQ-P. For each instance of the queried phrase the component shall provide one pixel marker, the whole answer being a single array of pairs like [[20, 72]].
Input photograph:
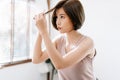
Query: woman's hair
[[74, 10]]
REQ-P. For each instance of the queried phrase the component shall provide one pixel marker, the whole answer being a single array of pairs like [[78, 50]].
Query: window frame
[[22, 61]]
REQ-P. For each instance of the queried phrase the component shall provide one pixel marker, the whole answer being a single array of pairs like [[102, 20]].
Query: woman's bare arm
[[59, 61], [72, 57], [38, 54]]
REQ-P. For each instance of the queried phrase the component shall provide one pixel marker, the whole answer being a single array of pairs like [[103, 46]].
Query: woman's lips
[[59, 28]]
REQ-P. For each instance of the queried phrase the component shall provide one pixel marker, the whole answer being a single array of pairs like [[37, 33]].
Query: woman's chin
[[61, 32]]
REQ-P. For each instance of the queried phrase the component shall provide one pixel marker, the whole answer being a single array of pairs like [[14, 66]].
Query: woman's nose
[[58, 22]]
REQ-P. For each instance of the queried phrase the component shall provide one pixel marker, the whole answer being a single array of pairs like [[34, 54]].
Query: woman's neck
[[72, 37]]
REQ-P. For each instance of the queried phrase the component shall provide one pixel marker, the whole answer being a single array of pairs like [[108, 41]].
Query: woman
[[71, 53]]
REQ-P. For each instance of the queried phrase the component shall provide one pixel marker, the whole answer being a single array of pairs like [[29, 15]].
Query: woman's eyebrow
[[60, 14]]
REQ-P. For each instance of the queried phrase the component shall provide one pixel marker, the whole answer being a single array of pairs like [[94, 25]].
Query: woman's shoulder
[[88, 38], [88, 41], [91, 50]]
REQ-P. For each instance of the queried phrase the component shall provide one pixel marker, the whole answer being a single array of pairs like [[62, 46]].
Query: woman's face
[[63, 22]]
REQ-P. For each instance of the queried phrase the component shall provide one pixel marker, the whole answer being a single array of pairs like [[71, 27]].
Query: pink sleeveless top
[[80, 71]]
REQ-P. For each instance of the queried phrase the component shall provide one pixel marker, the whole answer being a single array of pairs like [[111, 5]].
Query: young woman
[[71, 53]]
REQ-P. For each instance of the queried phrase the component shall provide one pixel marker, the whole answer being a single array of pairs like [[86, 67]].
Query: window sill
[[9, 64]]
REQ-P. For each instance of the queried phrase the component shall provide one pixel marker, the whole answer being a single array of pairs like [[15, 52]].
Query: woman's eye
[[62, 17]]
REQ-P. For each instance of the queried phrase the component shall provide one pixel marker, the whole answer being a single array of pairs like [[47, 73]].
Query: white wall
[[103, 25], [27, 71]]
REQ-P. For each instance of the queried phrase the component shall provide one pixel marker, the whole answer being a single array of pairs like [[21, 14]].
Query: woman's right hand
[[41, 23]]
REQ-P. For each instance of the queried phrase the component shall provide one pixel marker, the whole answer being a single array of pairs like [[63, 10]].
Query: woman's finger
[[34, 17]]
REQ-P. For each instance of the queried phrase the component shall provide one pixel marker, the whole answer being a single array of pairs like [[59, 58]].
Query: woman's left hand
[[41, 23]]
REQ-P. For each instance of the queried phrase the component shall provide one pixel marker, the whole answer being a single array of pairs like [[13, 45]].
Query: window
[[17, 29]]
